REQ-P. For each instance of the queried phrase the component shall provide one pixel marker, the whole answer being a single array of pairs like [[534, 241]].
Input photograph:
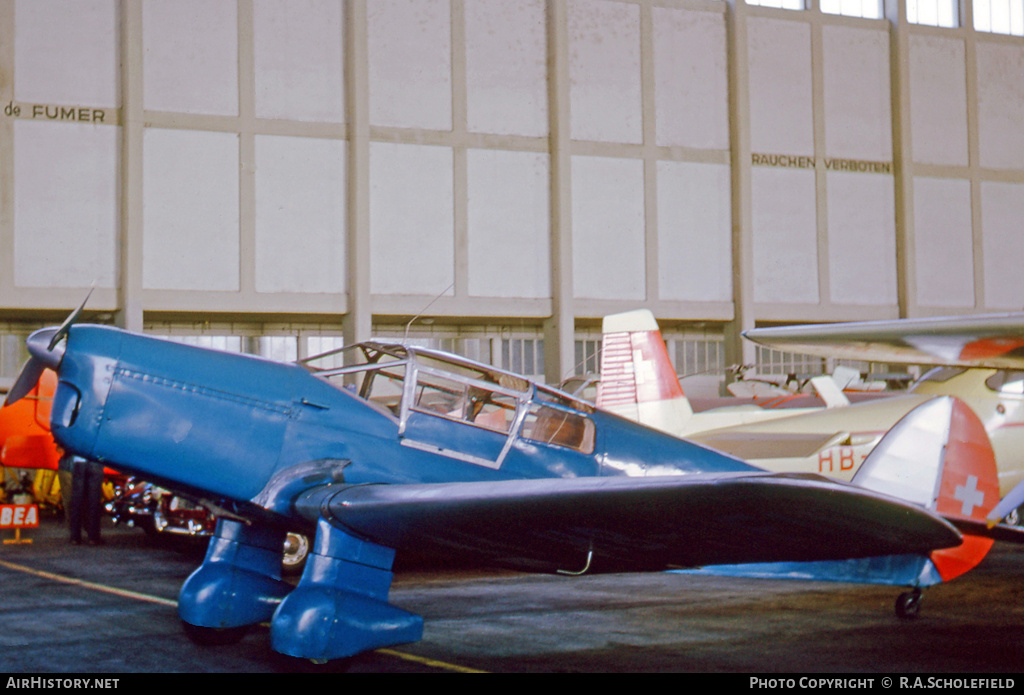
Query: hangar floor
[[110, 609]]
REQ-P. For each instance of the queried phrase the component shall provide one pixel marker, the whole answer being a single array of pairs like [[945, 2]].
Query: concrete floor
[[505, 622]]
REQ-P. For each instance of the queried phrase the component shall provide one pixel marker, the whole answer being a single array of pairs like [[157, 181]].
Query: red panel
[[635, 368], [656, 378], [30, 451], [969, 488], [25, 428], [989, 347], [955, 561]]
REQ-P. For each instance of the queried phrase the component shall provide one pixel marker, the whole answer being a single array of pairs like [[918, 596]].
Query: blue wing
[[636, 523]]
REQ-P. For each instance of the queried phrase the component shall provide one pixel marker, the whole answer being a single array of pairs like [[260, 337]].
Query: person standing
[[86, 502]]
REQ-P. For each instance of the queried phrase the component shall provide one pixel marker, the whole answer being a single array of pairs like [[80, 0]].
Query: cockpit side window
[[559, 427], [466, 401], [440, 396], [493, 410]]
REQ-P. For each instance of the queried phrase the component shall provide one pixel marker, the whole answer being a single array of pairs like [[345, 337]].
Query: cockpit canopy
[[401, 380]]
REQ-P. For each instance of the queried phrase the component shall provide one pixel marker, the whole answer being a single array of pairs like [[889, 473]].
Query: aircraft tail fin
[[940, 457], [637, 377], [830, 392]]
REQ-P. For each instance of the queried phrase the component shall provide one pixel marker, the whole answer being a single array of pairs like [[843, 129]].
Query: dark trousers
[[86, 499]]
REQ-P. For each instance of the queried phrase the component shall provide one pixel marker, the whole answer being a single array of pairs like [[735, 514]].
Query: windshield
[[373, 372]]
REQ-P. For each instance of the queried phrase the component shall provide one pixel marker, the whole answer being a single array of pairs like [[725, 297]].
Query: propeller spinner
[[45, 352]]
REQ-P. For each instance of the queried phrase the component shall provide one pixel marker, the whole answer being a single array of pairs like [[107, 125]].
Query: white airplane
[[982, 361], [979, 359], [638, 381]]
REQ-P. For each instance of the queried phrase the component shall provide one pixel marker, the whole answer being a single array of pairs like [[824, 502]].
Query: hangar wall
[[514, 169]]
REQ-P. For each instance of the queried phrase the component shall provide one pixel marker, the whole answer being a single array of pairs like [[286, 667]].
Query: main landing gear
[[908, 604]]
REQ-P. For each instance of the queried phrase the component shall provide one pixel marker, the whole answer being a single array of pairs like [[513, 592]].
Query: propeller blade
[[62, 331], [26, 381]]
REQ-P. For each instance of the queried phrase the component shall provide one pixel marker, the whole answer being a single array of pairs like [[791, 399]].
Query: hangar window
[[13, 352], [696, 356], [781, 363], [782, 4], [476, 349], [327, 348], [999, 16], [226, 343], [588, 356], [280, 348], [934, 13], [523, 356], [868, 9]]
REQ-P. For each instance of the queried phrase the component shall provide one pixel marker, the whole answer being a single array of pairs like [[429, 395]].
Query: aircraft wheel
[[296, 550], [214, 636], [1014, 517], [908, 604]]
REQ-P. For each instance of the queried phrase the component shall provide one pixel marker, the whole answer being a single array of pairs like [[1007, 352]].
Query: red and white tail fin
[[637, 378], [940, 457]]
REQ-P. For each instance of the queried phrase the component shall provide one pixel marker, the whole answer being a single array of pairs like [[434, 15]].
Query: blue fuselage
[[228, 425]]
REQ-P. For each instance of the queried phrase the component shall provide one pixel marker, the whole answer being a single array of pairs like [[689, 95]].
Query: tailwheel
[[908, 604], [214, 636], [1014, 517]]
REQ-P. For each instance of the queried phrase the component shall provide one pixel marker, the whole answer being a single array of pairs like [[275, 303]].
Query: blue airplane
[[380, 449]]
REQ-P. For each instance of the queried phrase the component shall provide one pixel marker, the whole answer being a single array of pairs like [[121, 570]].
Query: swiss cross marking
[[970, 495]]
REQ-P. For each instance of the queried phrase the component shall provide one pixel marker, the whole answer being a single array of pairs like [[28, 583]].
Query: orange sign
[[19, 516]]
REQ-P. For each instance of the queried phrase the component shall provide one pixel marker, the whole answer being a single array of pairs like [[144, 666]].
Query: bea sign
[[19, 516]]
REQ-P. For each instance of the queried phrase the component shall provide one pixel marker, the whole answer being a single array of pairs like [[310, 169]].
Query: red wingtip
[[969, 489], [989, 347]]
